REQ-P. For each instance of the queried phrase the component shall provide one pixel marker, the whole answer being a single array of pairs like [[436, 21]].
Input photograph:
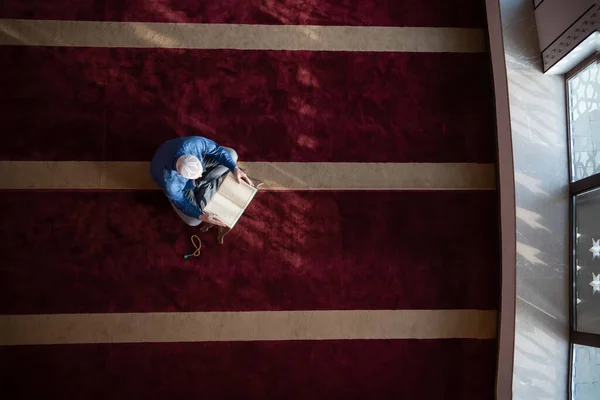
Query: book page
[[227, 211], [238, 193]]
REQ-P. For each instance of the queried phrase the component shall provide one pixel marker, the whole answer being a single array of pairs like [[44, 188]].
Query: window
[[583, 95], [586, 367], [584, 120]]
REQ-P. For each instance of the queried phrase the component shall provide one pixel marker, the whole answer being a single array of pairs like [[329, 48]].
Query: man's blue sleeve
[[213, 149], [184, 205]]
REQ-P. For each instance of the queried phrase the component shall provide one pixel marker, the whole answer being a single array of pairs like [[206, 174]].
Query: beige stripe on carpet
[[246, 326], [236, 36], [276, 175]]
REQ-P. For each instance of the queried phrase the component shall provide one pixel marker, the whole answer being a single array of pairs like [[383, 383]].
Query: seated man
[[189, 171]]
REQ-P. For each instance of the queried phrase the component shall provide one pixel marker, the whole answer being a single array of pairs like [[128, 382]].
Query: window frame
[[576, 188]]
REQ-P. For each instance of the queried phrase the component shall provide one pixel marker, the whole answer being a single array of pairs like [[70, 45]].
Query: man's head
[[189, 167]]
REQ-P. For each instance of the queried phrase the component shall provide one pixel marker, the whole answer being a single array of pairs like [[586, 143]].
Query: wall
[[506, 194]]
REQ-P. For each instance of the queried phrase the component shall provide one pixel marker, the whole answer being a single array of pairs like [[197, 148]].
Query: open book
[[231, 200]]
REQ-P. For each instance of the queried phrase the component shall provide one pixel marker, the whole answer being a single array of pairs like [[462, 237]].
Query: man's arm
[[214, 150], [225, 159], [208, 147]]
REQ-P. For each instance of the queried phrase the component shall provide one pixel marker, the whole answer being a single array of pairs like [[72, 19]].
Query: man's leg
[[214, 169], [205, 191], [209, 183]]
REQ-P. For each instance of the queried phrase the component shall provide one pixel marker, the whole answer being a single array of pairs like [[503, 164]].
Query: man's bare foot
[[221, 234], [257, 182], [205, 227]]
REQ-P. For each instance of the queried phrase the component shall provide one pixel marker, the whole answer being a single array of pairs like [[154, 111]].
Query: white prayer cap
[[189, 167]]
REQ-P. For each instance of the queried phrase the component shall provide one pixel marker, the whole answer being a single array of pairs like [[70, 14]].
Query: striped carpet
[[367, 268]]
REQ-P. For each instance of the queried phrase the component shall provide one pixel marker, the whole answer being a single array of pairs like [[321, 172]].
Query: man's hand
[[241, 176], [211, 219]]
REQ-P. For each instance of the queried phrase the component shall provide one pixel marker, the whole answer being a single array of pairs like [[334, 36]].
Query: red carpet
[[71, 251], [450, 13], [346, 369], [121, 104], [122, 252]]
